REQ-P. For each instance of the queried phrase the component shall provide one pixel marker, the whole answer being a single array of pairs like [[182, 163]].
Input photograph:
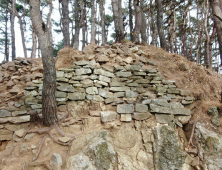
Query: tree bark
[[6, 37], [49, 111], [23, 37], [77, 24], [102, 15], [93, 23], [163, 44], [138, 22], [65, 22], [152, 26], [49, 23], [118, 20], [34, 43], [130, 19], [84, 26], [13, 30], [217, 16]]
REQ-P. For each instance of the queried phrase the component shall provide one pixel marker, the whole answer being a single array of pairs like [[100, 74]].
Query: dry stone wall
[[118, 92]]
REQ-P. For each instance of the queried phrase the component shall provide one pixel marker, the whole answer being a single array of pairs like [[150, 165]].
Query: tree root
[[191, 148], [40, 147]]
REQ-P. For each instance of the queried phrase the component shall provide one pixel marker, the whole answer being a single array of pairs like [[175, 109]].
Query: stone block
[[101, 82], [104, 78], [143, 81], [161, 102], [103, 72], [21, 119], [147, 101], [110, 100], [173, 91], [133, 84], [164, 118], [183, 119], [141, 116], [59, 94], [160, 109], [95, 113], [125, 108], [80, 78], [119, 94], [20, 132], [5, 113], [126, 117], [185, 112], [56, 161], [95, 98], [36, 106], [123, 74], [141, 108], [5, 134], [176, 105], [185, 102], [21, 112], [66, 88], [76, 96], [108, 116], [62, 79], [139, 73], [131, 94], [82, 71], [92, 90], [117, 84], [119, 89], [184, 92], [105, 93]]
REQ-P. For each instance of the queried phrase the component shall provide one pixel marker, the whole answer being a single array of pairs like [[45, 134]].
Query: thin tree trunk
[[207, 49], [175, 32], [6, 37], [49, 107], [152, 25], [118, 20], [191, 41], [84, 26], [170, 32], [163, 43], [199, 36], [13, 30], [102, 15], [34, 43], [93, 25], [23, 37], [217, 16], [21, 29], [143, 28], [138, 22], [130, 20], [211, 43], [65, 22], [77, 25]]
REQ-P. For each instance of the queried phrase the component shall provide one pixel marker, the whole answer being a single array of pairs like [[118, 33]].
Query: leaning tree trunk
[[13, 30], [65, 22], [49, 111], [217, 16], [163, 42], [118, 20], [93, 23]]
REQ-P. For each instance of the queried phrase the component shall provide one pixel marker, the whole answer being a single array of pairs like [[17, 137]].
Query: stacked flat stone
[[132, 92]]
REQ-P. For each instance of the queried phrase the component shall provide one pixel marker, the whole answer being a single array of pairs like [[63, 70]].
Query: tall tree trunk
[[84, 26], [143, 23], [163, 44], [13, 30], [65, 22], [34, 43], [49, 111], [175, 32], [206, 44], [6, 37], [217, 16], [21, 29], [23, 37], [170, 32], [191, 41], [138, 22], [93, 23], [102, 15], [131, 20], [77, 24], [152, 26], [118, 20], [211, 43]]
